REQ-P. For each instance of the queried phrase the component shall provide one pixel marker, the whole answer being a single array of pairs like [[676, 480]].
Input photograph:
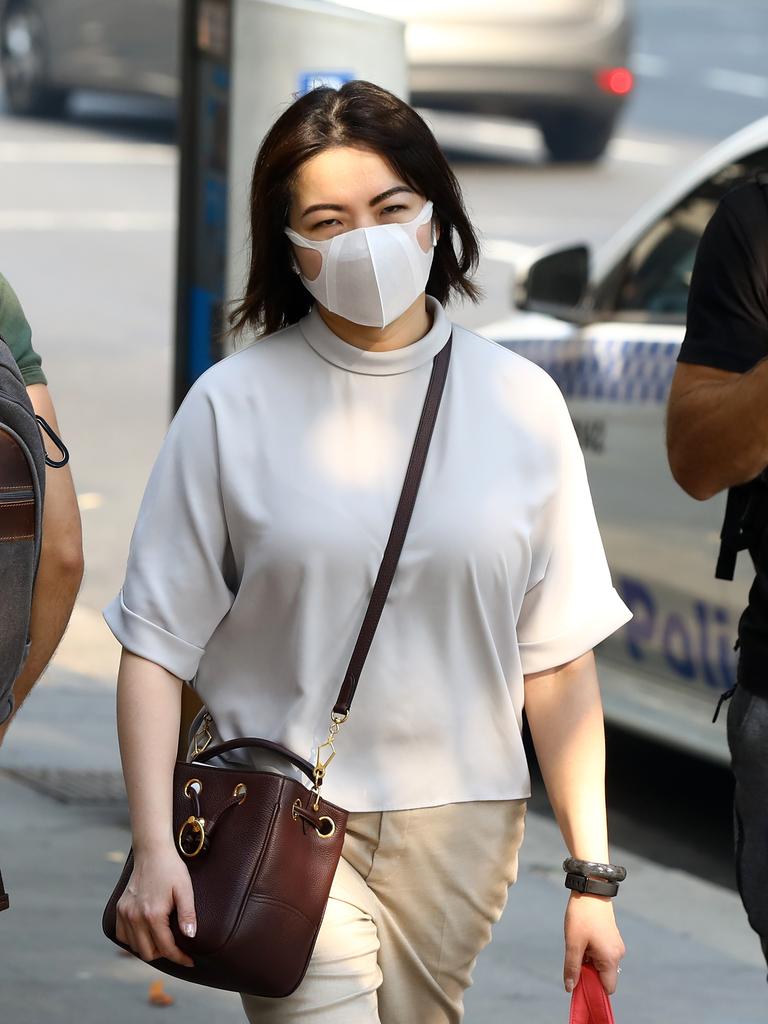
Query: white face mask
[[371, 275]]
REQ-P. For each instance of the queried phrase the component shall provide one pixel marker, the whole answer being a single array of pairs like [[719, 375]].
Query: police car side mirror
[[556, 284]]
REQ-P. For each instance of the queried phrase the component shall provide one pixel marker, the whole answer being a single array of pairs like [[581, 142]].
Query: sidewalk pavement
[[691, 956]]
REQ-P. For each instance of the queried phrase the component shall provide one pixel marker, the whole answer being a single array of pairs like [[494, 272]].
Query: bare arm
[[708, 447], [566, 719], [61, 562], [148, 716]]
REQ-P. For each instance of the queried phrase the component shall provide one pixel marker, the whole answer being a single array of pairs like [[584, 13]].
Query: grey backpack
[[22, 490]]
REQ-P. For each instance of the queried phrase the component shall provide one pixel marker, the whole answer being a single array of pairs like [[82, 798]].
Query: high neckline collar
[[358, 360]]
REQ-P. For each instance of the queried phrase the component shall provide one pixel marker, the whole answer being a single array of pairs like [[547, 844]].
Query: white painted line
[[501, 250], [509, 139], [89, 500], [150, 154], [86, 220], [740, 82], [638, 151], [503, 138], [649, 65]]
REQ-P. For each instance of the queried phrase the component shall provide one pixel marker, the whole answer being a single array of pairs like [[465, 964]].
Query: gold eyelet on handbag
[[296, 803], [328, 827], [241, 791], [193, 783]]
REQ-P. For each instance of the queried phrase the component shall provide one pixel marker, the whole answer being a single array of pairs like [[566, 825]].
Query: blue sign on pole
[[310, 80]]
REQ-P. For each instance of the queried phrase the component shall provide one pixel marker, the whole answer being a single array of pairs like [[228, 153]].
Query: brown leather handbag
[[262, 848]]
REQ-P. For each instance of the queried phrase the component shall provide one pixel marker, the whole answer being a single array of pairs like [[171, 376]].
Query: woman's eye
[[394, 209]]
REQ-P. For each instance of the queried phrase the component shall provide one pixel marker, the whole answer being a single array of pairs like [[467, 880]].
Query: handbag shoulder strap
[[4, 900], [399, 529]]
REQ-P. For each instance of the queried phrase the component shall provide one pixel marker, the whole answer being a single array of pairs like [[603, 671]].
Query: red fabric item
[[590, 1003]]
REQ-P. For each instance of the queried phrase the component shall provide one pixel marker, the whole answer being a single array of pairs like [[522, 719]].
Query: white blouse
[[262, 529]]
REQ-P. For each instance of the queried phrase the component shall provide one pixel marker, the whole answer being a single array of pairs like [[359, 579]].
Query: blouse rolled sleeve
[[570, 605], [175, 592]]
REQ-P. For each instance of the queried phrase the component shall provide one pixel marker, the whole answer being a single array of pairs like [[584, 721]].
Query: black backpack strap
[[732, 536], [4, 900]]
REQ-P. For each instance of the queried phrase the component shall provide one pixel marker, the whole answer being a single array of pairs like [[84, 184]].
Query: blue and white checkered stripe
[[610, 370]]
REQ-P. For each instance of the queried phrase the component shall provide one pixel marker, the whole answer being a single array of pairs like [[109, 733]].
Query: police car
[[608, 329]]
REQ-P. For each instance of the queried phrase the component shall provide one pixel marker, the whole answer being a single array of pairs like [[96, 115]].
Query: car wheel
[[576, 135], [25, 62]]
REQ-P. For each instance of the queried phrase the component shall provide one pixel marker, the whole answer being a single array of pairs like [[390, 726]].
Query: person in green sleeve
[[61, 558], [16, 333]]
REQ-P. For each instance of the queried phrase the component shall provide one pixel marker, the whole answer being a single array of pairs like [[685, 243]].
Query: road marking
[[639, 151], [89, 500], [499, 138], [740, 82], [509, 139], [86, 220], [649, 65], [151, 154], [501, 250]]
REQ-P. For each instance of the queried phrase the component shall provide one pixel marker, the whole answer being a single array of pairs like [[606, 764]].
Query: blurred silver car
[[558, 63], [48, 48]]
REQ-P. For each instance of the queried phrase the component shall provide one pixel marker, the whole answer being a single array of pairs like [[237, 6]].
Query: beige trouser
[[411, 906]]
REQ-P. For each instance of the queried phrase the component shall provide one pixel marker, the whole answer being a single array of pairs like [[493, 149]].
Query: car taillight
[[618, 81]]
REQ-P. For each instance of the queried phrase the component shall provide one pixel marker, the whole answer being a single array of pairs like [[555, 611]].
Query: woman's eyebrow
[[389, 193], [338, 208], [323, 206]]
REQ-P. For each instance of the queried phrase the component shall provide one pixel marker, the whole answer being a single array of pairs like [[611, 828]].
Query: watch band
[[592, 868], [579, 883]]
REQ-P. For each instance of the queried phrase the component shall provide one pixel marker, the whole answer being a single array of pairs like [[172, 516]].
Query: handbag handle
[[252, 741], [399, 529]]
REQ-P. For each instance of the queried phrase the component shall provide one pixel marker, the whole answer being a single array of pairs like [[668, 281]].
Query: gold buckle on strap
[[322, 762], [203, 737]]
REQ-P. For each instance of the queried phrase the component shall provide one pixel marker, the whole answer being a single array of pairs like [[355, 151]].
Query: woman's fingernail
[[189, 930], [570, 985]]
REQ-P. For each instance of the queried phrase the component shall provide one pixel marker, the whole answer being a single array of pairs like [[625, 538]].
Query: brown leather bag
[[262, 848]]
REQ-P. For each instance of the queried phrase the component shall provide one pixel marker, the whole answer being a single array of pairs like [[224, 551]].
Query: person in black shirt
[[717, 438]]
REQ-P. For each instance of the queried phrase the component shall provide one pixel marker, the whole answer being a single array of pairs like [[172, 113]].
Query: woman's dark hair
[[366, 116]]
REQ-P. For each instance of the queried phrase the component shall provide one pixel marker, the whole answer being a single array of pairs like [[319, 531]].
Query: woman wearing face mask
[[260, 535]]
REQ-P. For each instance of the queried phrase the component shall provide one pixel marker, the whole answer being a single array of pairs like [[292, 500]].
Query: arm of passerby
[[148, 743], [61, 562], [717, 423], [565, 716], [717, 427]]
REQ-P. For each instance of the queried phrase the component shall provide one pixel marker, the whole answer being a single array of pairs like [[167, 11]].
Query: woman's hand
[[591, 934], [160, 881]]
